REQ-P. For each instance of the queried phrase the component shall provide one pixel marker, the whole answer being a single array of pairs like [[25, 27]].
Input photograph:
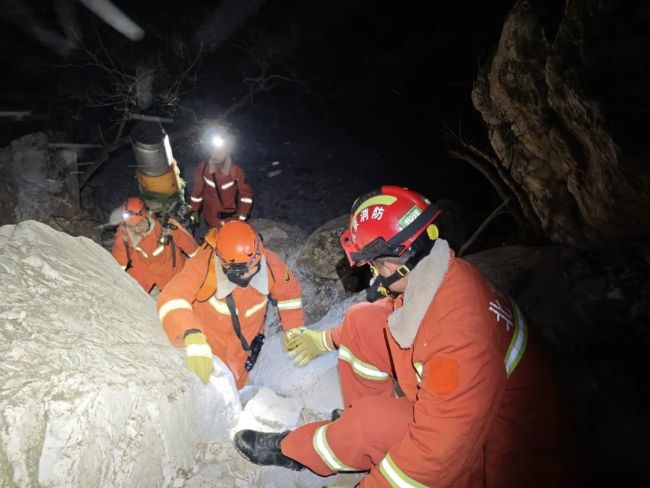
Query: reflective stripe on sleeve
[[124, 266], [194, 253], [242, 217], [211, 183], [225, 186], [256, 308], [323, 449], [196, 199], [171, 305], [362, 369], [219, 306], [142, 251], [395, 476], [158, 250], [293, 304], [246, 200], [518, 342], [202, 350]]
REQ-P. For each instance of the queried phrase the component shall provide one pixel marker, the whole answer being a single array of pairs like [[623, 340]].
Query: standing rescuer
[[147, 251], [220, 186], [479, 404], [218, 303]]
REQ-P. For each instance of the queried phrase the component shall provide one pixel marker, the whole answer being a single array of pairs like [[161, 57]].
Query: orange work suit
[[149, 262], [180, 310], [480, 406], [224, 195]]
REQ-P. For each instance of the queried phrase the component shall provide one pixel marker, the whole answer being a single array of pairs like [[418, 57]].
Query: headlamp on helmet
[[134, 210]]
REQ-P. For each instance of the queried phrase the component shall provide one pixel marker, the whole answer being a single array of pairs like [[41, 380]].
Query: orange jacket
[[462, 354], [230, 194], [179, 310], [151, 263]]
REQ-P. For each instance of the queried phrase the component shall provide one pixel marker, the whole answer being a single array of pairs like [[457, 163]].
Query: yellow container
[[165, 184]]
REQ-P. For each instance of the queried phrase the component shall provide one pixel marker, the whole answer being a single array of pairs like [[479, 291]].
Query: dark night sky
[[380, 79]]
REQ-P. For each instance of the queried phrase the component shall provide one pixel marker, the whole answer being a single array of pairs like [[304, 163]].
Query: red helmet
[[385, 223], [134, 210], [238, 246]]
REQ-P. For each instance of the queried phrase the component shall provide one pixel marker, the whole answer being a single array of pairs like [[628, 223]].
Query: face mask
[[379, 285], [234, 274]]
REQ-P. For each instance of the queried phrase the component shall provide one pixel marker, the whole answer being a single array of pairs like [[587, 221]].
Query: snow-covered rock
[[91, 392]]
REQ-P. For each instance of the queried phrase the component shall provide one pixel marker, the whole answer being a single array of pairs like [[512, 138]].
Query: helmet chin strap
[[380, 285]]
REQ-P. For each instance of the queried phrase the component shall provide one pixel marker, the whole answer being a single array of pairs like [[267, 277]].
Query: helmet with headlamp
[[134, 211]]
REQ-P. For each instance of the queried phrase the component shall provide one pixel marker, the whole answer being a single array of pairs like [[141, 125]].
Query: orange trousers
[[374, 419]]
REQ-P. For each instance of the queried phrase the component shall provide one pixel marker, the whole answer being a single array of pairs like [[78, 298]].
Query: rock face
[[560, 98], [91, 392], [39, 183], [313, 259]]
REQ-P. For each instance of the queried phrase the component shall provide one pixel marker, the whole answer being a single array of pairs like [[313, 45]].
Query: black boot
[[336, 413], [263, 448]]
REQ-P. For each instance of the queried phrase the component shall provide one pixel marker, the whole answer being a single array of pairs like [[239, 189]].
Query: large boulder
[[558, 97], [91, 392], [312, 258], [39, 182]]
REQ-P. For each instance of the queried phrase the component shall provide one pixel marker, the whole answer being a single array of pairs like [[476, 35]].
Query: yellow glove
[[199, 355], [194, 218], [303, 344]]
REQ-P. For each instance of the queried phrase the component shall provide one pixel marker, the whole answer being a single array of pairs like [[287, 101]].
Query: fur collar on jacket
[[423, 284], [136, 239], [225, 287], [223, 169]]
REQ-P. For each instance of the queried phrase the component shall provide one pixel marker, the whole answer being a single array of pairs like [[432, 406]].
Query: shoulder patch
[[442, 375]]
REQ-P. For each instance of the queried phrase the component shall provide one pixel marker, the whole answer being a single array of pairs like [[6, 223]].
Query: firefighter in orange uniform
[[220, 186], [218, 303], [150, 254], [479, 405]]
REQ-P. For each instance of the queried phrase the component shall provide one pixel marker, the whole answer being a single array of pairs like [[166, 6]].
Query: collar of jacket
[[224, 170], [137, 239], [423, 284], [225, 287]]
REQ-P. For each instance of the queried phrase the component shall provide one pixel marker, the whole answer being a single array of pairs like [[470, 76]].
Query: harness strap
[[235, 323]]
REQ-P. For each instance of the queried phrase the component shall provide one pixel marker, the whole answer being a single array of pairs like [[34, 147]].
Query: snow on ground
[[93, 395]]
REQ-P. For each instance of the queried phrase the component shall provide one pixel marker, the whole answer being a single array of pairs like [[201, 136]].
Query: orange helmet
[[134, 210], [238, 247]]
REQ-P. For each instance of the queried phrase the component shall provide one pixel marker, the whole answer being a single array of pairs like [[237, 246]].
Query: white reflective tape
[[171, 305], [219, 306], [124, 266], [323, 338], [518, 342], [194, 253], [323, 449], [362, 369], [256, 308], [246, 200], [211, 183], [158, 250], [141, 251], [395, 476], [293, 304], [225, 186], [196, 199], [202, 350], [242, 217]]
